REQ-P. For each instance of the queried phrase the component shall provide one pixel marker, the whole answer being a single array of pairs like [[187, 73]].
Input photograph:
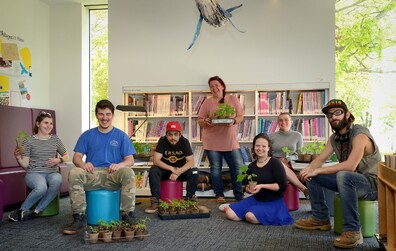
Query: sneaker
[[349, 239], [313, 224], [224, 207], [15, 215], [129, 218], [221, 200], [79, 224], [154, 206], [306, 194], [28, 215], [193, 198]]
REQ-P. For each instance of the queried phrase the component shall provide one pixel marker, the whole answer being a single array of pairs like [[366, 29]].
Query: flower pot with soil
[[223, 115], [246, 176], [141, 228], [93, 234], [163, 207]]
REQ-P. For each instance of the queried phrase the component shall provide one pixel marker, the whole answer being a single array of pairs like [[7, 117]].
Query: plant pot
[[106, 236], [163, 211], [117, 234], [252, 185], [93, 237], [314, 156], [129, 233], [307, 157], [140, 234], [300, 157]]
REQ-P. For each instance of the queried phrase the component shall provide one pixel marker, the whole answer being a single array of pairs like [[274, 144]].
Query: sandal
[[221, 200]]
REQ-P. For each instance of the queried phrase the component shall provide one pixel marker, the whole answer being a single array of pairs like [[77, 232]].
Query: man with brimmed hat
[[174, 160], [354, 177]]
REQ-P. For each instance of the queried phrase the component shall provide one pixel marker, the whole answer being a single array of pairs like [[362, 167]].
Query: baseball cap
[[334, 103], [173, 126]]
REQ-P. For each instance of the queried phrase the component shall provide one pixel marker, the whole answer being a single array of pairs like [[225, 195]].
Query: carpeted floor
[[214, 233]]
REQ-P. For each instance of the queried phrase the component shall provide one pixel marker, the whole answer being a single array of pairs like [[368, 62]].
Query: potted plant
[[317, 148], [163, 207], [117, 227], [143, 150], [129, 231], [141, 228], [105, 230], [21, 136], [193, 207], [287, 151], [245, 176], [223, 114], [93, 234]]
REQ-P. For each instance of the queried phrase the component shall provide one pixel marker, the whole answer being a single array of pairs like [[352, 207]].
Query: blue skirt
[[267, 213]]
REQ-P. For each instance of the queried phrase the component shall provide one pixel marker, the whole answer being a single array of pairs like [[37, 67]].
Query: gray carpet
[[214, 233]]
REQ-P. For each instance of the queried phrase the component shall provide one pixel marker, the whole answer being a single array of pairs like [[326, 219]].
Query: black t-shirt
[[174, 155], [272, 172]]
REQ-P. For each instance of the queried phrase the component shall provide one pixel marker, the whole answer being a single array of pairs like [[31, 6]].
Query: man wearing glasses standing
[[354, 177]]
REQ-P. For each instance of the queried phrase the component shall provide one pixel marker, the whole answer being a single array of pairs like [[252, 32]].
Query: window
[[98, 47]]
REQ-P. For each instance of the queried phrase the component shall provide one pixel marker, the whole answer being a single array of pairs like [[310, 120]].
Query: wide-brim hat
[[335, 103]]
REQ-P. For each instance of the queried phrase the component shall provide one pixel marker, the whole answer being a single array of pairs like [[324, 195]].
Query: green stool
[[367, 218], [52, 208]]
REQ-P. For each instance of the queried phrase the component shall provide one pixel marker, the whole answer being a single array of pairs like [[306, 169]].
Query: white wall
[[28, 19], [286, 41]]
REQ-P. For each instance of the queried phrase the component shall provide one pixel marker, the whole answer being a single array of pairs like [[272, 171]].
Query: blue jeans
[[351, 186], [234, 161], [45, 187]]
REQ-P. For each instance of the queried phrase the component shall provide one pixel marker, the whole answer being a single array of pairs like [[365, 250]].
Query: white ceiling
[[84, 2]]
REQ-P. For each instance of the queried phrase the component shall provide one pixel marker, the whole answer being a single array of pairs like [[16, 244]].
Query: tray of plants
[[116, 231], [181, 209]]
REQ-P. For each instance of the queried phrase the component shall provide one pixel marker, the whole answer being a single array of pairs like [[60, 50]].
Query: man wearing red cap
[[354, 177], [174, 160]]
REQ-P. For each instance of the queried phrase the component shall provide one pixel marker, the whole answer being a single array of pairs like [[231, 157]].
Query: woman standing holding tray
[[220, 140]]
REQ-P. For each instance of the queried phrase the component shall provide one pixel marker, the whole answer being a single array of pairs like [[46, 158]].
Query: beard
[[337, 127]]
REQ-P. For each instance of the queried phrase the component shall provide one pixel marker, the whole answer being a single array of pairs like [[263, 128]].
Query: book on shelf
[[198, 104]]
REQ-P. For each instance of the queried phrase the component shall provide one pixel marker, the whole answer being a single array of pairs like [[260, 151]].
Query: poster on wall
[[15, 70]]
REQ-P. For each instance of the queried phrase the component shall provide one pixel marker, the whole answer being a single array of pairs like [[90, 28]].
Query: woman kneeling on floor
[[266, 205]]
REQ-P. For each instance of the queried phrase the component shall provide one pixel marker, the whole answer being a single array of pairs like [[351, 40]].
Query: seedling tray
[[183, 216], [222, 121], [121, 239]]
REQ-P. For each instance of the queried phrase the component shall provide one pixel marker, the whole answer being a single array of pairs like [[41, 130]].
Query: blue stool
[[102, 205]]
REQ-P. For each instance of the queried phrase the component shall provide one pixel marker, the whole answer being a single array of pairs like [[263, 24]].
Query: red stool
[[171, 189], [291, 197]]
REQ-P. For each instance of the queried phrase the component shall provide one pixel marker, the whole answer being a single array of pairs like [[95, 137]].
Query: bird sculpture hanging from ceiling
[[214, 15]]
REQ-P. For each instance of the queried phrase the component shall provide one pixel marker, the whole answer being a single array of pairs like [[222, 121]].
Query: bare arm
[[361, 145]]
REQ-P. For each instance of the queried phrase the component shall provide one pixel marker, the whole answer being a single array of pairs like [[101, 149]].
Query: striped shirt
[[40, 150]]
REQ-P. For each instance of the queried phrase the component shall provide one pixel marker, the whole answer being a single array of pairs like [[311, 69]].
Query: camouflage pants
[[81, 181]]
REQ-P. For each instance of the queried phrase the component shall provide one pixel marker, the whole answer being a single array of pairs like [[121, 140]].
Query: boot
[[79, 224], [154, 206]]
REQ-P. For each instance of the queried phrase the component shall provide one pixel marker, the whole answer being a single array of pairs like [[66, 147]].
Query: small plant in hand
[[21, 136], [245, 176]]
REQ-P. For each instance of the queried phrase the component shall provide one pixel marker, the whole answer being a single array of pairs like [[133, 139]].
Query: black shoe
[[129, 218], [15, 215], [79, 224], [28, 215]]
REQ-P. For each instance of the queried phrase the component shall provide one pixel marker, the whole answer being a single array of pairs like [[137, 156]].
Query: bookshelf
[[261, 103]]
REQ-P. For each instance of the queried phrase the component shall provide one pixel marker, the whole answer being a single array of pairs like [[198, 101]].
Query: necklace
[[266, 159]]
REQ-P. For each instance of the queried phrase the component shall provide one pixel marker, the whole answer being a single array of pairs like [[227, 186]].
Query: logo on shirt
[[114, 142]]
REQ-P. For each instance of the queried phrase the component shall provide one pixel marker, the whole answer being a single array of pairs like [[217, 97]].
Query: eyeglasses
[[329, 115]]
